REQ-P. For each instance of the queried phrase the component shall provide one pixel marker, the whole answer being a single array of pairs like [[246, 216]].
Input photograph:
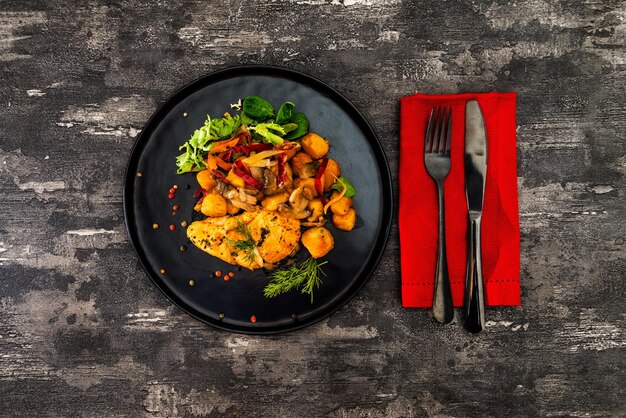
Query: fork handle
[[474, 306], [443, 310]]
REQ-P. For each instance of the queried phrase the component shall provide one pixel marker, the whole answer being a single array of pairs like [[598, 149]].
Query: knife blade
[[475, 175]]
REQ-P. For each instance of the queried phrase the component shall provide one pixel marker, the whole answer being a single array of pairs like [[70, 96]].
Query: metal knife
[[475, 174]]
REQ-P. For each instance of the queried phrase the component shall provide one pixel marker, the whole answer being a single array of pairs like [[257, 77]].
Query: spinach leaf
[[350, 190], [285, 113], [258, 108], [303, 126], [246, 120]]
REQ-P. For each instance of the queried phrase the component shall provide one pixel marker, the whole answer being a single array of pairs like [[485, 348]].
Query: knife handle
[[474, 306]]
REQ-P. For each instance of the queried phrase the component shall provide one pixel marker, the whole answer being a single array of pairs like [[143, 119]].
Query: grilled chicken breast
[[272, 237]]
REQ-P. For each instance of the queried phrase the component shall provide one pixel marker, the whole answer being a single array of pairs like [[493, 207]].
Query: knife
[[475, 173]]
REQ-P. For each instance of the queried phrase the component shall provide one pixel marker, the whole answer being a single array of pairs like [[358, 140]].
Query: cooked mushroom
[[240, 198], [320, 222], [269, 182], [241, 195], [298, 202], [299, 198], [221, 186], [308, 170], [242, 205], [257, 173], [288, 211]]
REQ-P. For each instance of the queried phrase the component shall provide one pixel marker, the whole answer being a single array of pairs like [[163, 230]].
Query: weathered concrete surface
[[84, 333]]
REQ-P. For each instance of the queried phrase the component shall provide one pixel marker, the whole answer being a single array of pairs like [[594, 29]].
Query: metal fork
[[437, 162]]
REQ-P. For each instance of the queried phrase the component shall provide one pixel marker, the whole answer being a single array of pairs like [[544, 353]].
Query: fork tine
[[441, 141], [449, 131], [437, 128], [429, 131], [441, 124]]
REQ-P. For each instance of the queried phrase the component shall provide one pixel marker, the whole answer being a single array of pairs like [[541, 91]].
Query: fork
[[437, 162]]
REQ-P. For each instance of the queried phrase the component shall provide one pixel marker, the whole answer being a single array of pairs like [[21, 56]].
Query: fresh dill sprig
[[247, 245], [242, 228], [305, 275]]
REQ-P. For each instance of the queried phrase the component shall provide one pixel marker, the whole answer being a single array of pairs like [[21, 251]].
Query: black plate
[[353, 144]]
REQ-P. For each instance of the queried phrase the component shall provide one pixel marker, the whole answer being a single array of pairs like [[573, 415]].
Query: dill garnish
[[304, 276], [247, 245]]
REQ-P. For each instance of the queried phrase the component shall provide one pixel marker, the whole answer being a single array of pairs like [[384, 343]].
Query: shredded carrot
[[210, 161], [224, 145], [338, 198], [223, 164]]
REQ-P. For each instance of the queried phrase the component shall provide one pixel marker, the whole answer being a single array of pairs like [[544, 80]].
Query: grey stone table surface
[[83, 332]]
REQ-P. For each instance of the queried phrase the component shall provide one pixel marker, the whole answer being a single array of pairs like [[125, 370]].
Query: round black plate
[[231, 304]]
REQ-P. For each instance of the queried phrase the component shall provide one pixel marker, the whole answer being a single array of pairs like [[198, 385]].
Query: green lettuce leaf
[[270, 132], [288, 127], [224, 127], [201, 141]]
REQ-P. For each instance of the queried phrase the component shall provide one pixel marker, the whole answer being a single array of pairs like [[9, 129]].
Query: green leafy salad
[[257, 115]]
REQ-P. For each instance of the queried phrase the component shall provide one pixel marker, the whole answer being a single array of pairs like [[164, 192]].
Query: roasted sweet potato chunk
[[318, 240], [272, 202], [331, 174], [205, 179], [214, 205], [314, 145], [341, 206], [345, 222]]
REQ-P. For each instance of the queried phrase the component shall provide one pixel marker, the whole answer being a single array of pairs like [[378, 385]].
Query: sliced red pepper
[[282, 171], [240, 165], [319, 180], [241, 170], [220, 177], [286, 146], [227, 155], [241, 149], [259, 147], [247, 149], [225, 145], [201, 193], [244, 137]]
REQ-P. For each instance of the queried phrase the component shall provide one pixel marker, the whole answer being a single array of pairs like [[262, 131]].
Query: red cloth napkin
[[418, 202]]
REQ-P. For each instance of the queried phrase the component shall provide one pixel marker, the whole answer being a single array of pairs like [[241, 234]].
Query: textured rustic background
[[84, 333]]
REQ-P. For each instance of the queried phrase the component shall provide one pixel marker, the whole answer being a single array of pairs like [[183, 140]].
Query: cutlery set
[[437, 163]]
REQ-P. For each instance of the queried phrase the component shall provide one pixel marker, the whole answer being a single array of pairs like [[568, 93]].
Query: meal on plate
[[267, 185]]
